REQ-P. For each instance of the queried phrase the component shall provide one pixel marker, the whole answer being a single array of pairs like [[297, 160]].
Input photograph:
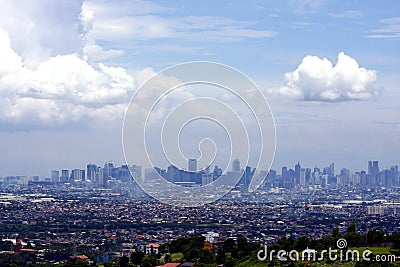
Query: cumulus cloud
[[61, 89], [51, 74], [318, 79], [37, 29]]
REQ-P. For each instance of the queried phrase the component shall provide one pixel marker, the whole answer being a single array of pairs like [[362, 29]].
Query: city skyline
[[329, 71], [298, 174]]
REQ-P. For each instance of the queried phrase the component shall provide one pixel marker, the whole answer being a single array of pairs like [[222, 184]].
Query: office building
[[236, 165], [192, 165], [55, 176]]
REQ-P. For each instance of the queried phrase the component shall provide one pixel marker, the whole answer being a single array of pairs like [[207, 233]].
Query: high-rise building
[[217, 172], [308, 175], [64, 176], [206, 178], [302, 177], [136, 172], [297, 169], [373, 172], [99, 176], [91, 170], [284, 172], [77, 175], [192, 165], [55, 176], [236, 165], [107, 171], [344, 177]]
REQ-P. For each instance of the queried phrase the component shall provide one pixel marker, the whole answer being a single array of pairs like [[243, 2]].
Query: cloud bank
[[61, 89], [50, 74], [319, 80], [53, 69]]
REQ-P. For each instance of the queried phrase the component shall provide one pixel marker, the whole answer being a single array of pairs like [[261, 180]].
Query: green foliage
[[229, 245], [123, 261], [167, 257], [352, 228], [230, 261], [375, 237], [184, 245], [149, 261], [302, 243], [353, 238], [395, 238], [285, 244], [137, 257], [336, 232]]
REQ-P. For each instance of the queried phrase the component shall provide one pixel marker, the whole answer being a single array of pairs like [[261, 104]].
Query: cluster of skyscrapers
[[303, 177], [296, 177], [102, 176], [193, 176]]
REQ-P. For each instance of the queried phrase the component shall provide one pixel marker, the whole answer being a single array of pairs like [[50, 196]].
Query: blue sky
[[69, 68]]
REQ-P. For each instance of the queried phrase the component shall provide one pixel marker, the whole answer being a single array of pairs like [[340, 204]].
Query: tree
[[123, 261], [229, 261], [395, 238], [375, 237], [149, 261], [206, 256], [229, 245], [137, 257], [167, 257], [352, 228], [302, 243], [353, 239], [285, 244], [336, 232], [221, 256]]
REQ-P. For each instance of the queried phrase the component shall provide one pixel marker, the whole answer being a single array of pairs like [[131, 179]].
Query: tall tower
[[91, 172], [55, 176], [107, 172], [192, 165], [297, 169], [302, 177], [236, 165]]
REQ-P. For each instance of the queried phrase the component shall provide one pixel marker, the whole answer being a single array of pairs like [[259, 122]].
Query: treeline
[[239, 252], [374, 237]]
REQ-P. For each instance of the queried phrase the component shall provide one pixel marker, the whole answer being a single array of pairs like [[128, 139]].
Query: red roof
[[154, 245], [28, 250], [81, 257], [171, 264]]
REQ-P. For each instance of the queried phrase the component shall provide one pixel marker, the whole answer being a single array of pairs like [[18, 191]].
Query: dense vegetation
[[240, 252]]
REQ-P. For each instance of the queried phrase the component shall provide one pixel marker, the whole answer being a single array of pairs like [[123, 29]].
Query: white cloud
[[61, 89], [348, 14], [390, 29], [317, 79], [41, 29], [141, 21]]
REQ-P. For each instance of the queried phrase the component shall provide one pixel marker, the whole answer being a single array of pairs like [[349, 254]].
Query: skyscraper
[[107, 170], [192, 165], [91, 172], [217, 172], [236, 165], [373, 172], [55, 176], [297, 169], [64, 176], [302, 177]]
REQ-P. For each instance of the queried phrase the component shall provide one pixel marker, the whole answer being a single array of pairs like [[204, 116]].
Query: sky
[[68, 69]]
